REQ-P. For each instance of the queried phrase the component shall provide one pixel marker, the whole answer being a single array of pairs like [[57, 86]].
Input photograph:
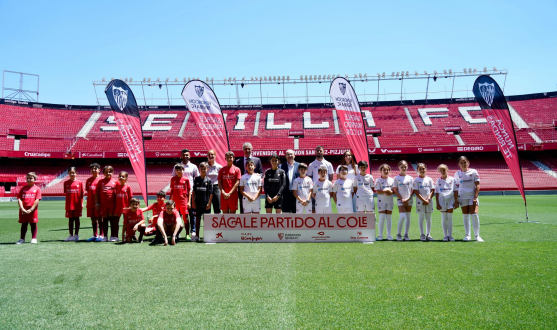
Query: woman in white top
[[403, 189], [213, 174], [467, 189], [349, 160]]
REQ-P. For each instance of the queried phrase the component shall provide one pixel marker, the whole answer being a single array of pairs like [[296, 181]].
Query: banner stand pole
[[527, 221]]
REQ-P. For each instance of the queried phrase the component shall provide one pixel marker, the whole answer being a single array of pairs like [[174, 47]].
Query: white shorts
[[410, 202], [384, 206], [345, 209], [365, 204], [421, 208], [467, 202], [303, 209], [323, 209], [447, 203], [249, 207]]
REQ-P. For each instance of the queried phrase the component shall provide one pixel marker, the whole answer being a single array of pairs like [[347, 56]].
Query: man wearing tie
[[240, 162], [291, 170]]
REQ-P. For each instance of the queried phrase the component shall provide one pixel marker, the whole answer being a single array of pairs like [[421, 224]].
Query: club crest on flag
[[488, 91], [342, 87], [199, 90], [120, 96]]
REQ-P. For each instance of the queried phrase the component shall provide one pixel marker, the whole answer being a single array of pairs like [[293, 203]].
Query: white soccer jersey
[[445, 188], [382, 184], [303, 187], [251, 183], [313, 169], [404, 184], [424, 186], [364, 185], [322, 191], [343, 189], [351, 172], [465, 183]]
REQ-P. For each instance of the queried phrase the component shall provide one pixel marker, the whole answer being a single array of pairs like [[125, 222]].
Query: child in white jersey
[[384, 189], [363, 189], [424, 188], [322, 190], [250, 188], [342, 191], [444, 195], [467, 188], [403, 191], [301, 189]]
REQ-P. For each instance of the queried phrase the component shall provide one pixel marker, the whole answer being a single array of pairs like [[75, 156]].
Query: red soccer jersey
[[106, 190], [123, 196], [170, 219], [180, 191], [91, 189], [133, 218], [28, 195], [74, 191], [229, 175], [157, 209]]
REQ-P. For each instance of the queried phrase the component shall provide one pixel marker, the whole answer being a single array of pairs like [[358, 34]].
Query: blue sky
[[70, 44]]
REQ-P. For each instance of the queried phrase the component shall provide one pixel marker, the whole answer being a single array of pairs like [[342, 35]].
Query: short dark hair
[[179, 166], [170, 203], [95, 165], [362, 163], [108, 168], [134, 200], [161, 193], [302, 165], [274, 155], [185, 150]]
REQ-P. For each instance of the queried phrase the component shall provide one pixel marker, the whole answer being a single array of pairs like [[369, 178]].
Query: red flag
[[126, 114]]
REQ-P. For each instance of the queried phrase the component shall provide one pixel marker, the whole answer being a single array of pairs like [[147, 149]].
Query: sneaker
[[389, 238], [406, 238], [99, 239], [398, 237], [75, 238], [69, 239], [34, 241], [115, 239], [92, 239], [21, 241], [188, 238], [195, 239], [446, 239], [379, 238], [451, 239], [104, 239], [111, 239], [479, 239], [429, 238], [193, 235], [154, 242], [422, 238], [466, 239]]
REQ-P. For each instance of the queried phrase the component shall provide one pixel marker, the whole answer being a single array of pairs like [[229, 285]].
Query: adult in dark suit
[[240, 162], [291, 170]]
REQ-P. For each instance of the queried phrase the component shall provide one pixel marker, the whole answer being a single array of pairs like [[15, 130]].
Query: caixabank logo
[[321, 236], [219, 238], [359, 235]]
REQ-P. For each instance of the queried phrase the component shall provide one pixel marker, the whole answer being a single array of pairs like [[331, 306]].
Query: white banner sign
[[289, 228]]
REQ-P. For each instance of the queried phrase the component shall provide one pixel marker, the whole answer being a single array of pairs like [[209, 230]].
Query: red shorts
[[182, 209], [107, 210], [32, 217], [74, 213], [118, 212], [92, 212], [229, 204], [129, 230]]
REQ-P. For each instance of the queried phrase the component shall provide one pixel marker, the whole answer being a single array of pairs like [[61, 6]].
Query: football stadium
[[140, 155]]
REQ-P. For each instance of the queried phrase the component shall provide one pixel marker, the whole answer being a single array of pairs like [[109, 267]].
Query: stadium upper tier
[[47, 128]]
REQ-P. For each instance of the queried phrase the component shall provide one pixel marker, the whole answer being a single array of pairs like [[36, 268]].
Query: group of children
[[109, 199]]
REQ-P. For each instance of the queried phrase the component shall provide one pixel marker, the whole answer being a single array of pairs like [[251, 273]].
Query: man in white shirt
[[313, 170], [190, 171], [291, 170]]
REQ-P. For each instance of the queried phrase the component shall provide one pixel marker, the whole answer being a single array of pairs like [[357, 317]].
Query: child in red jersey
[[74, 191], [133, 220], [106, 202], [169, 221], [123, 197], [92, 211], [180, 193], [157, 208], [28, 200], [229, 180]]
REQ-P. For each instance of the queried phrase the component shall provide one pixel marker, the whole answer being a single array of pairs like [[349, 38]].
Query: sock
[[476, 223], [408, 214], [23, 230], [114, 226], [428, 224], [382, 217], [401, 222], [95, 227], [180, 230], [141, 233], [444, 224], [449, 224], [34, 229], [104, 226], [70, 226], [187, 226], [421, 217], [466, 220], [388, 220], [77, 225]]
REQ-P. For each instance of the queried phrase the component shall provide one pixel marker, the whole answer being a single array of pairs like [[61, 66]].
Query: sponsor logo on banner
[[488, 92], [120, 96], [219, 238], [122, 154], [359, 235], [91, 155], [250, 237], [292, 236], [479, 148], [197, 153], [321, 236], [38, 154], [342, 87], [280, 236], [391, 151], [199, 90]]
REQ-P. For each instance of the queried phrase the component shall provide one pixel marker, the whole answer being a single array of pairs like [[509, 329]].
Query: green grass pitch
[[510, 281]]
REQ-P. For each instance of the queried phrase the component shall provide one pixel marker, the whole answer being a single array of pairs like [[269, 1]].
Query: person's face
[[169, 209], [247, 151], [403, 168], [274, 162], [250, 167], [343, 173], [107, 174], [463, 164], [422, 170], [385, 171], [185, 157], [30, 180], [73, 175], [362, 169], [303, 171], [211, 156], [160, 199], [322, 174], [348, 158], [179, 172], [95, 171], [122, 178], [203, 171], [319, 152], [134, 206], [229, 159], [443, 171], [290, 156]]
